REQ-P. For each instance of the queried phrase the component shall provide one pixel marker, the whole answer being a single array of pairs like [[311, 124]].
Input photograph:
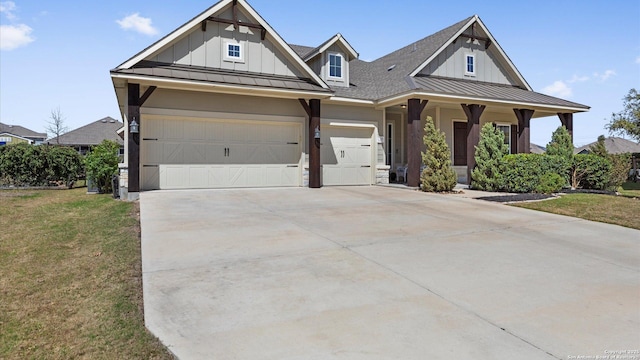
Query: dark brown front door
[[459, 143]]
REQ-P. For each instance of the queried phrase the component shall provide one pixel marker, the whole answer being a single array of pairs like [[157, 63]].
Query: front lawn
[[618, 210], [70, 279]]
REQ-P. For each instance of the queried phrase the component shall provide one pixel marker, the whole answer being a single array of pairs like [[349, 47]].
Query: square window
[[233, 52], [470, 64], [335, 66]]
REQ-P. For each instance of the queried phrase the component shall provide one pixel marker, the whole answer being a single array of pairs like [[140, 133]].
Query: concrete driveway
[[383, 273]]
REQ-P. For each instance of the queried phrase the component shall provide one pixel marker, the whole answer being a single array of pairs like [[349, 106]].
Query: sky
[[57, 54]]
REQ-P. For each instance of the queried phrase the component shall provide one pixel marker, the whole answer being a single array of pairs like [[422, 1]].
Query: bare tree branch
[[56, 126]]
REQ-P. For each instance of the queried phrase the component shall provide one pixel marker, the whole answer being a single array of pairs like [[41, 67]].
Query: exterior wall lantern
[[316, 133], [134, 128]]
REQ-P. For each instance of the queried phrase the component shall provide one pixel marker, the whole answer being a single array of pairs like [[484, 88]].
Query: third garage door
[[346, 155]]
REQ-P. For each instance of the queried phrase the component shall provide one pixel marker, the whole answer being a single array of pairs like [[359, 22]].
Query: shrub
[[102, 164], [620, 166], [438, 174], [590, 172], [550, 183], [29, 165], [561, 143], [487, 174], [531, 172]]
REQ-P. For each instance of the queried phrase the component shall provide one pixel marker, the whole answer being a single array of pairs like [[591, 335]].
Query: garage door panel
[[346, 156], [217, 153]]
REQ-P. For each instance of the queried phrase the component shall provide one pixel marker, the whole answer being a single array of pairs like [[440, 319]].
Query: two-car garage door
[[180, 153], [192, 154]]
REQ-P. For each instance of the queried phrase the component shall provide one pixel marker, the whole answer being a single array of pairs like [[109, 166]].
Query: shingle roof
[[537, 149], [91, 134], [614, 145], [21, 131], [301, 50], [209, 75]]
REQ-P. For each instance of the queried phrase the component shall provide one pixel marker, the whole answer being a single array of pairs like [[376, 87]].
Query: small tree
[[627, 121], [56, 126], [489, 153], [561, 143], [102, 163], [438, 174], [598, 148]]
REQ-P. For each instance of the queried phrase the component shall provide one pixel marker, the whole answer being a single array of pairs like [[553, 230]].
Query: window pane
[[335, 65], [470, 64]]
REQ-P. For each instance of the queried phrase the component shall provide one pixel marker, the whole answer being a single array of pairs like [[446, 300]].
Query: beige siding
[[335, 49], [207, 49], [452, 63]]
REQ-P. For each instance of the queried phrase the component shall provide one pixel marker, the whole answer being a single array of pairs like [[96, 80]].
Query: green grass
[[70, 278], [630, 189], [618, 210]]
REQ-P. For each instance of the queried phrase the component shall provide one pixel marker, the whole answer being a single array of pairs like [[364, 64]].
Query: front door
[[459, 143]]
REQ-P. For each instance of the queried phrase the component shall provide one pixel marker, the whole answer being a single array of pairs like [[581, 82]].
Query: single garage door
[[346, 155], [197, 154]]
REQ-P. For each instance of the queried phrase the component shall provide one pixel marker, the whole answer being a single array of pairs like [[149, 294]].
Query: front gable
[[204, 42], [320, 60], [473, 44]]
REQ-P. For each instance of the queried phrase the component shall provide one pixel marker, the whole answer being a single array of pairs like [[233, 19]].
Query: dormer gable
[[472, 54], [331, 60]]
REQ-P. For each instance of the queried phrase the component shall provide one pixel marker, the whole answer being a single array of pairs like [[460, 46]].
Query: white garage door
[[346, 155], [192, 154]]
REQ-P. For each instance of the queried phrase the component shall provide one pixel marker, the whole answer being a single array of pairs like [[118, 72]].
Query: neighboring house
[[614, 145], [537, 149], [224, 101], [83, 138], [12, 134]]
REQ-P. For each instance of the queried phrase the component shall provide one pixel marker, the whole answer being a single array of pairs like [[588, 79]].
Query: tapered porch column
[[313, 111], [524, 134], [133, 141], [414, 144], [567, 121], [473, 112]]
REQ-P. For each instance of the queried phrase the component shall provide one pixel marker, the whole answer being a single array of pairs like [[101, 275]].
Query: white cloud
[[7, 8], [604, 76], [558, 88], [14, 36], [137, 23], [577, 78]]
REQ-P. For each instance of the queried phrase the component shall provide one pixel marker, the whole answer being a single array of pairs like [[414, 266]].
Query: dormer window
[[470, 63], [233, 52], [335, 66]]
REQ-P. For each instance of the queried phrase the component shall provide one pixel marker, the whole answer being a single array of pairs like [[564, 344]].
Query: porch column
[[524, 135], [567, 121], [133, 141], [313, 111], [414, 144], [473, 112]]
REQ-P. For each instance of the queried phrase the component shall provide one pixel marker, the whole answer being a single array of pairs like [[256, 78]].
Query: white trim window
[[233, 51], [506, 129], [470, 64], [335, 66]]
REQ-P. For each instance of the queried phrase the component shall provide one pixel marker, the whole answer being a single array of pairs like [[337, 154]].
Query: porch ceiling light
[[134, 128], [404, 106]]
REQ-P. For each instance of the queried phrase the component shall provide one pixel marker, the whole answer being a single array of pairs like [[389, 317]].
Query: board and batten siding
[[451, 63], [207, 49]]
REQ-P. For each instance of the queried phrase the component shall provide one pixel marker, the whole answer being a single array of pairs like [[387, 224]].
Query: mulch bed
[[516, 197]]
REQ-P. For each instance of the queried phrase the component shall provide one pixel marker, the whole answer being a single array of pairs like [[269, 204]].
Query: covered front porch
[[460, 119]]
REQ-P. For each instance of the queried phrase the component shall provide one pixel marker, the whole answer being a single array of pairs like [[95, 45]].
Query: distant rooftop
[[91, 134]]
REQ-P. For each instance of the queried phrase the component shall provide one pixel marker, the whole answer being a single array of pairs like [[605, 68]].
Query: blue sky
[[59, 53]]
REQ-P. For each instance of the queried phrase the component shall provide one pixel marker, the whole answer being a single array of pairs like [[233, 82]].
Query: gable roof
[[475, 19], [197, 20], [614, 145], [337, 38], [91, 134], [21, 131]]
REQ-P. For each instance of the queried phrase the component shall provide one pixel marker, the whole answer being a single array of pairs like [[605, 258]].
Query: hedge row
[[27, 165]]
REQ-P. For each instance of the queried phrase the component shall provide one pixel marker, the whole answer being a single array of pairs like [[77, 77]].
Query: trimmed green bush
[[487, 174], [438, 175], [620, 166], [102, 164], [561, 144], [524, 173], [30, 165], [590, 172]]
